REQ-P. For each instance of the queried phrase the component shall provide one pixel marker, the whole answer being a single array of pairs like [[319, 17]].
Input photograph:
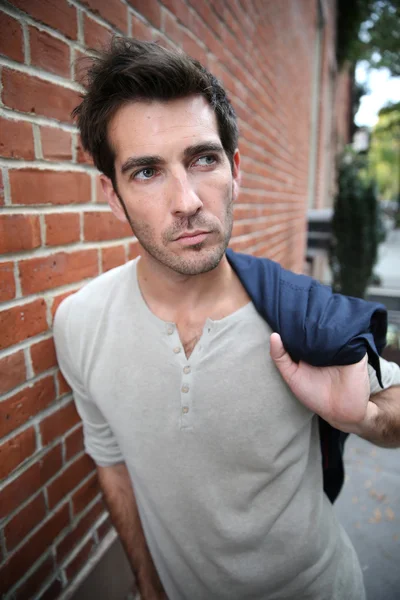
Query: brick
[[21, 322], [1, 189], [112, 257], [112, 11], [16, 411], [134, 250], [58, 14], [43, 356], [34, 582], [104, 528], [56, 143], [16, 139], [96, 36], [180, 9], [150, 9], [32, 187], [141, 30], [82, 156], [49, 53], [52, 591], [7, 281], [30, 481], [100, 196], [58, 423], [63, 385], [69, 479], [11, 39], [85, 494], [16, 450], [72, 538], [40, 97], [39, 274], [28, 554], [79, 560], [81, 62], [19, 232], [193, 48], [12, 371], [62, 229], [57, 301], [74, 443], [24, 521], [171, 28], [100, 226]]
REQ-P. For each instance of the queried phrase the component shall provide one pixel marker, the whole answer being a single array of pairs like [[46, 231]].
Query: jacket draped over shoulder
[[317, 327]]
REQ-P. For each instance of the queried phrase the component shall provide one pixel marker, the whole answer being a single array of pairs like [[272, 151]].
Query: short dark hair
[[133, 70]]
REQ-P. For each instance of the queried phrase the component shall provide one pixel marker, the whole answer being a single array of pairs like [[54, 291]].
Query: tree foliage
[[369, 30], [356, 228], [384, 152]]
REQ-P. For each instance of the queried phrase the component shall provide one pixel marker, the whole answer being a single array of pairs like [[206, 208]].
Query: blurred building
[[278, 63]]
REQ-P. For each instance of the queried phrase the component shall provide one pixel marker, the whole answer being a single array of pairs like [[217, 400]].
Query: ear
[[236, 175], [112, 198]]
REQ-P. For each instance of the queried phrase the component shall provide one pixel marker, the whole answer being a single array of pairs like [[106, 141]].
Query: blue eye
[[146, 173], [206, 161]]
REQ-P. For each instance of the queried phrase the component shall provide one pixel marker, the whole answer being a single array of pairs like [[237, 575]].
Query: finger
[[281, 358], [277, 349]]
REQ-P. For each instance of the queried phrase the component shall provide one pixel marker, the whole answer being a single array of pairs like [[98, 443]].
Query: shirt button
[[186, 370], [185, 389], [170, 330], [185, 410], [177, 350]]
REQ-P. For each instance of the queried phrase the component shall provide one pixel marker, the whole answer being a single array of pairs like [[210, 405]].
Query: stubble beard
[[195, 259]]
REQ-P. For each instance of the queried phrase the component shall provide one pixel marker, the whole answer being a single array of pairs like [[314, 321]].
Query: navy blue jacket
[[318, 327]]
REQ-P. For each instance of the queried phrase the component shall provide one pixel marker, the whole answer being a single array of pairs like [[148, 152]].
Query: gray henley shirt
[[225, 461]]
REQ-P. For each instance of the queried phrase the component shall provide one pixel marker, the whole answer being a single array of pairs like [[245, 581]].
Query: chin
[[194, 260], [198, 261]]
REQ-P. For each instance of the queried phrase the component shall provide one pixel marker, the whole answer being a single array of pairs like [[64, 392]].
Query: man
[[207, 454]]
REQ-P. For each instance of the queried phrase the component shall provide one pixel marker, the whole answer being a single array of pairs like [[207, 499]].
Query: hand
[[340, 395]]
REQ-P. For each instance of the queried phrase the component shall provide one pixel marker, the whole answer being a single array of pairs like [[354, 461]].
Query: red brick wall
[[56, 232]]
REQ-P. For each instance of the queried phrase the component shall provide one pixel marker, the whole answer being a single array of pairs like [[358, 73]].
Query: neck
[[172, 293]]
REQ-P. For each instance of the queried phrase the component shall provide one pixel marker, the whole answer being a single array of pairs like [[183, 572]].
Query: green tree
[[384, 152], [356, 228], [369, 30]]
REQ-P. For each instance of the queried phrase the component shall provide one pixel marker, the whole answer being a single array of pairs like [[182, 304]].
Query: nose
[[184, 199]]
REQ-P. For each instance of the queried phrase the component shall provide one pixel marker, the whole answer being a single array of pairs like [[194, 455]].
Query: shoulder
[[84, 308]]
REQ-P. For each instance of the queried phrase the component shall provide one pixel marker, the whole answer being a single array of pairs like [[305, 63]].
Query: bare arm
[[382, 423], [121, 503]]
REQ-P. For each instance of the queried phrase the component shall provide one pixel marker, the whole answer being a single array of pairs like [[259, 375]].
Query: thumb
[[277, 349], [280, 357]]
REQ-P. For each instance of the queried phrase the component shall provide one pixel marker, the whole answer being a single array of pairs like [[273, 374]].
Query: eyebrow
[[156, 160]]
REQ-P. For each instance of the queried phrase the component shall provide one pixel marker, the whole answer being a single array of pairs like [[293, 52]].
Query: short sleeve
[[100, 442], [390, 376]]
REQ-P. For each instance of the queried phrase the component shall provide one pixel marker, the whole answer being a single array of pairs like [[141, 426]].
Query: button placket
[[186, 404]]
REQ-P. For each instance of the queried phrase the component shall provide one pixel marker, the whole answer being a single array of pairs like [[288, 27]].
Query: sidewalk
[[369, 504], [369, 509]]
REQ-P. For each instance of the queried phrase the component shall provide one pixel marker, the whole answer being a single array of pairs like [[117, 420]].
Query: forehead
[[161, 127]]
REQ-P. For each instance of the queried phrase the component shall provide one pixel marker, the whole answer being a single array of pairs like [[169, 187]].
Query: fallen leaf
[[389, 513]]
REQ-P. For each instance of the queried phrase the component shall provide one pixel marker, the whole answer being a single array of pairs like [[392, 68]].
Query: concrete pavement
[[369, 509], [369, 504]]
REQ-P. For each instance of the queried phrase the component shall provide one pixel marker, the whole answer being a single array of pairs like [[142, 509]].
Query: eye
[[206, 161], [143, 174]]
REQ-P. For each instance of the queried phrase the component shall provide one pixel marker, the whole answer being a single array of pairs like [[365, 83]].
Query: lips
[[192, 237], [191, 234]]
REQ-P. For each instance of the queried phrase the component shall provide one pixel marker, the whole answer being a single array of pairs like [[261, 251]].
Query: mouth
[[192, 237]]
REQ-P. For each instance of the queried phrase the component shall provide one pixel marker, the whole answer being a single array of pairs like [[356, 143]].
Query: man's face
[[175, 180]]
